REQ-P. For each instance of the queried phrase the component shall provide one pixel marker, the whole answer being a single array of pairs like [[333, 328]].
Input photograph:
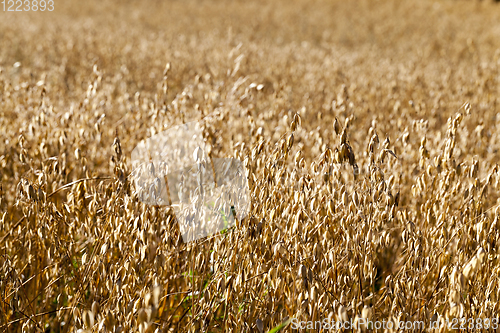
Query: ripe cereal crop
[[370, 140]]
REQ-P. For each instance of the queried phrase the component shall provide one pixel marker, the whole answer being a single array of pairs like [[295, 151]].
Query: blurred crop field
[[369, 131]]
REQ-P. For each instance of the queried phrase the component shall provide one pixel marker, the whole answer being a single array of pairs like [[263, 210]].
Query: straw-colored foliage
[[370, 134]]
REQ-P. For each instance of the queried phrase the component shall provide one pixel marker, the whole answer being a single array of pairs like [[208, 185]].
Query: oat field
[[370, 135]]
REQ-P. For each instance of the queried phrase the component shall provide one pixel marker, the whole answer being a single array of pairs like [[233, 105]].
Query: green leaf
[[280, 326]]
